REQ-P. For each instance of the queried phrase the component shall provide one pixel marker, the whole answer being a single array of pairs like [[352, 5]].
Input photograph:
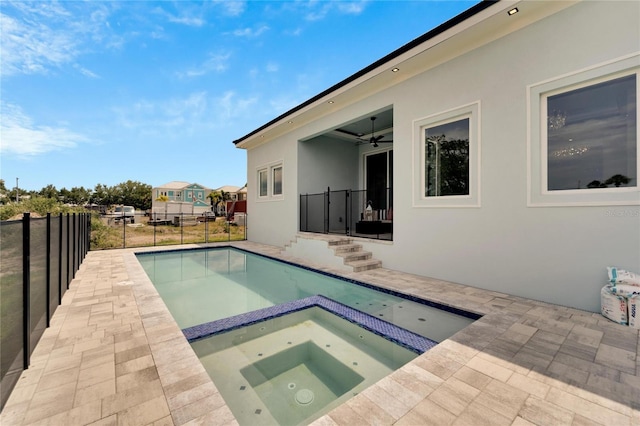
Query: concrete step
[[351, 256], [364, 265], [339, 241], [346, 248], [343, 247]]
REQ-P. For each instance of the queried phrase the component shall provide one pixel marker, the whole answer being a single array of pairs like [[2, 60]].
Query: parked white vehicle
[[126, 213]]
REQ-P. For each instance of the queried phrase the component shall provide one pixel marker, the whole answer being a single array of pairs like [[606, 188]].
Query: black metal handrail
[[356, 213]]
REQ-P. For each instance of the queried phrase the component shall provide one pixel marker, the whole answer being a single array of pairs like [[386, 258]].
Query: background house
[[502, 128], [180, 197], [192, 199]]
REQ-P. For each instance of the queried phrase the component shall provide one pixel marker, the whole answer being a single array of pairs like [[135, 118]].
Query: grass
[[106, 233]]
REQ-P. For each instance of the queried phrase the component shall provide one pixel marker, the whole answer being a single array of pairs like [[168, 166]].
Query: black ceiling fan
[[373, 140]]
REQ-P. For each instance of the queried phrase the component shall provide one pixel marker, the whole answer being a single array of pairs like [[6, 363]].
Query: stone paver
[[114, 355]]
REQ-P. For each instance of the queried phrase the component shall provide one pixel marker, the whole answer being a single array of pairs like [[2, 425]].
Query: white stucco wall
[[555, 254]]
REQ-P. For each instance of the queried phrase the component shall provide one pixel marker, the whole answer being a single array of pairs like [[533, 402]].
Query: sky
[[101, 92]]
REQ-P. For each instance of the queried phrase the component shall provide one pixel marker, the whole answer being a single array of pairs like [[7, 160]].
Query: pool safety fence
[[160, 229], [39, 256], [357, 213]]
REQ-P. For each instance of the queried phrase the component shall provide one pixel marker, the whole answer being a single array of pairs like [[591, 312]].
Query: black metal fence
[[357, 213], [38, 259], [142, 230]]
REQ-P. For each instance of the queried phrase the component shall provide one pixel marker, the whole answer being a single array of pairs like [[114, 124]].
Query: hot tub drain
[[304, 397]]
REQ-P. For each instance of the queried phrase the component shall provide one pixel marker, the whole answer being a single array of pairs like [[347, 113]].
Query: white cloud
[[20, 136], [198, 113], [250, 32], [188, 15], [39, 36], [215, 63], [190, 21], [272, 67], [317, 10], [231, 107], [31, 48], [232, 8], [85, 72]]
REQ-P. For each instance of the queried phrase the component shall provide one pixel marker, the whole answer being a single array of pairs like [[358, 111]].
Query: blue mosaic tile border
[[407, 339]]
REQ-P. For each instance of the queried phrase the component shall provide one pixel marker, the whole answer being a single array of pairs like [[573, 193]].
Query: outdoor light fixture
[[330, 102], [513, 11], [395, 69]]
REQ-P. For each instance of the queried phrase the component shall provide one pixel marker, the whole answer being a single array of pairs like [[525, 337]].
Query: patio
[[114, 355]]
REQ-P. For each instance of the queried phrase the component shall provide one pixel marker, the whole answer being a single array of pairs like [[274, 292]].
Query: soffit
[[480, 29]]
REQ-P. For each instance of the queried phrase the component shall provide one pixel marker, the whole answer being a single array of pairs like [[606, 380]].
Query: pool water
[[204, 285], [293, 369]]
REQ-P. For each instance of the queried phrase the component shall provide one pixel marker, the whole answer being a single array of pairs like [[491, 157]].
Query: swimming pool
[[204, 285], [285, 344]]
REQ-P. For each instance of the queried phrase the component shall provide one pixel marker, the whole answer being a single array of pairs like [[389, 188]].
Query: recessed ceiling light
[[395, 69], [290, 122], [513, 11], [330, 102]]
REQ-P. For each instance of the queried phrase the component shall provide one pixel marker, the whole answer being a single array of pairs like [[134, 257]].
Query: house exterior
[[183, 197], [514, 158]]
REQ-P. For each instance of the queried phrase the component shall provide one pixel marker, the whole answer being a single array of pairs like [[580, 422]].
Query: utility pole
[[17, 190]]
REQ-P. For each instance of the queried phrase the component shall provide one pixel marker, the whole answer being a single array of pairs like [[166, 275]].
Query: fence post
[[68, 250], [26, 288], [88, 236], [48, 278], [60, 259], [75, 254], [326, 212], [347, 216]]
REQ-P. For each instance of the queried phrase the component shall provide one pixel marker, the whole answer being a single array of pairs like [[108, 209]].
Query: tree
[[617, 180], [133, 193], [102, 195], [49, 191], [217, 197], [64, 195]]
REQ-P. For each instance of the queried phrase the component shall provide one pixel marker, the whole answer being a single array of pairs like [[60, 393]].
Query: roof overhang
[[483, 23]]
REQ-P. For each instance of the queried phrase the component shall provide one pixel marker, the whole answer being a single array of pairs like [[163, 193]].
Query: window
[[447, 159], [277, 180], [262, 183], [584, 138], [270, 181], [591, 136]]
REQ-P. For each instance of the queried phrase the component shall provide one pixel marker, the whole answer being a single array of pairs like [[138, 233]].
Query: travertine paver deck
[[113, 355]]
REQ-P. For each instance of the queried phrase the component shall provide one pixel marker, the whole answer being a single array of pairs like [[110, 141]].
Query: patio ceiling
[[359, 130]]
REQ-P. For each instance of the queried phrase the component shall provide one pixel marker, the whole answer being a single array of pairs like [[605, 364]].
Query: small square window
[[277, 180], [262, 183]]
